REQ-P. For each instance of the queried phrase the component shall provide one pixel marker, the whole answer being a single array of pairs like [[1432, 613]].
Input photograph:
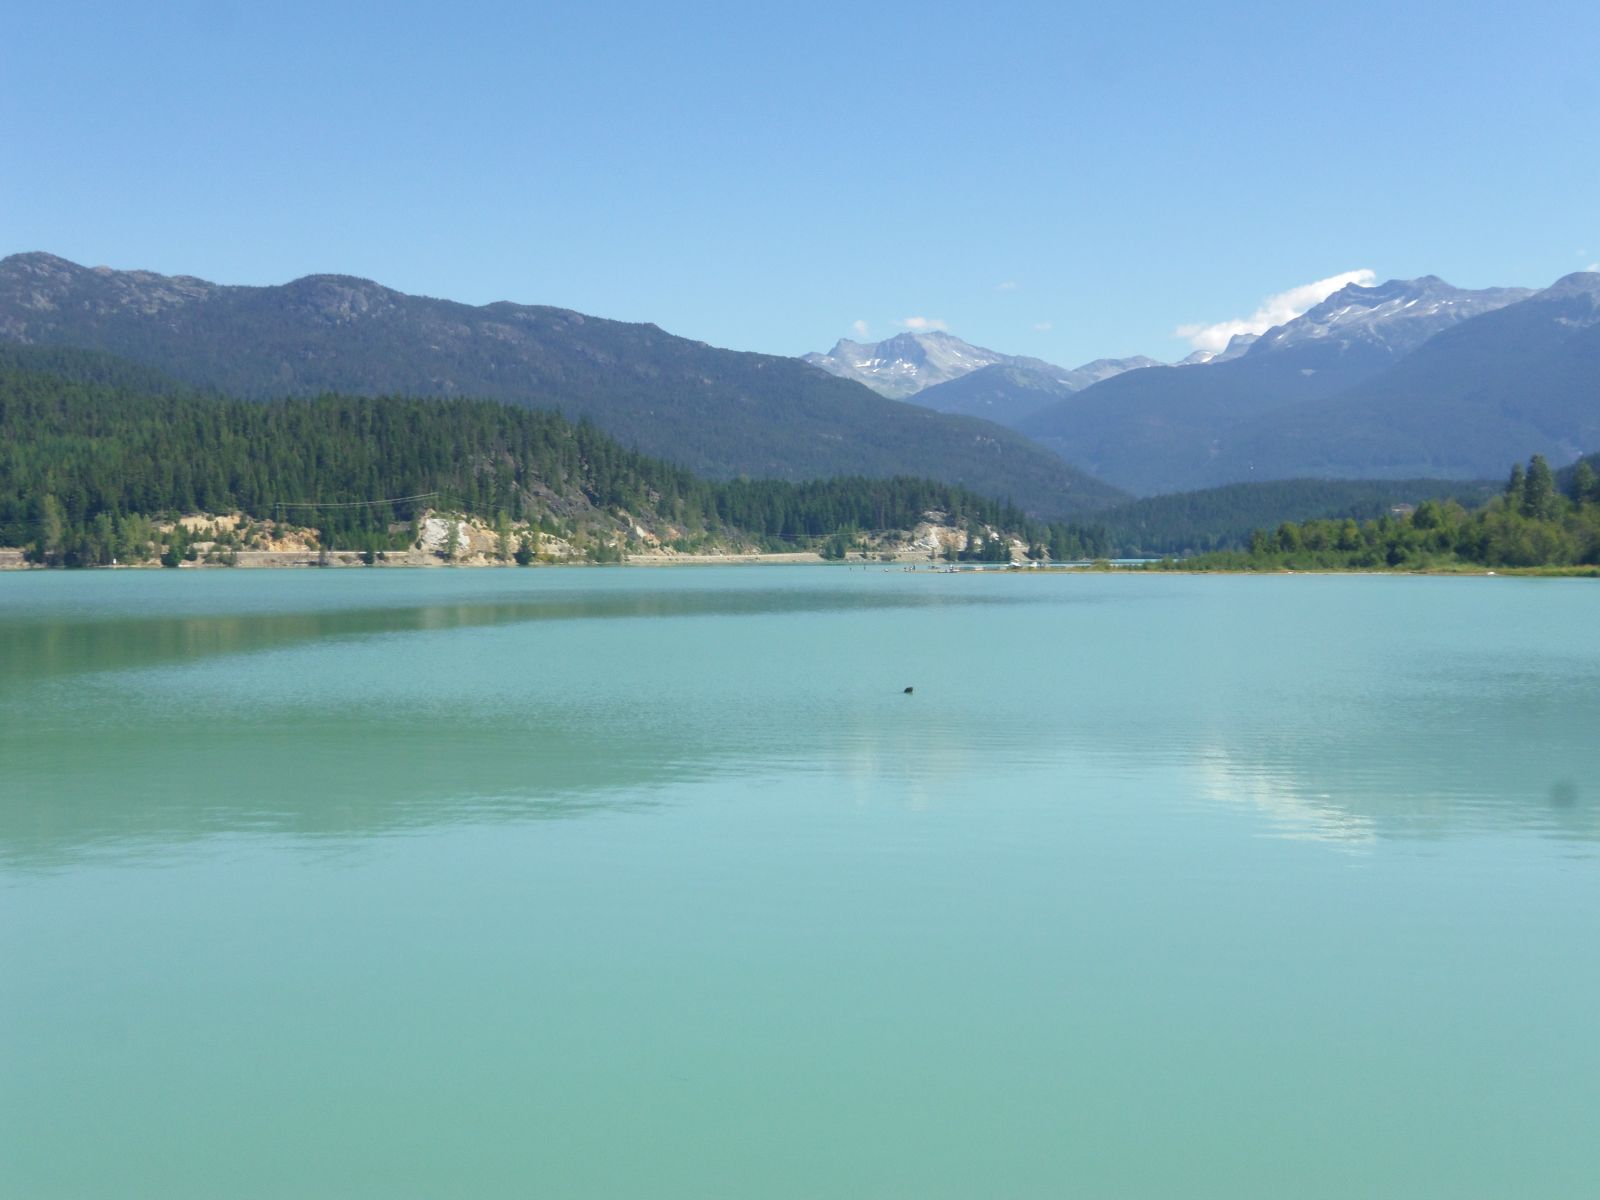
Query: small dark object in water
[[908, 691]]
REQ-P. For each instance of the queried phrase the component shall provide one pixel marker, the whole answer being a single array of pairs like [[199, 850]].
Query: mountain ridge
[[909, 364], [1519, 380], [1008, 393], [94, 463], [1174, 428], [721, 413]]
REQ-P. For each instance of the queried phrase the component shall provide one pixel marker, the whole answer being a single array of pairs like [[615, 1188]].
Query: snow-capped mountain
[[1397, 316], [908, 363], [1394, 317], [1521, 379], [1174, 428], [903, 365]]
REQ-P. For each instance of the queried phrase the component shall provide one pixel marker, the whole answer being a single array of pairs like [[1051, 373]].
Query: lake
[[623, 882]]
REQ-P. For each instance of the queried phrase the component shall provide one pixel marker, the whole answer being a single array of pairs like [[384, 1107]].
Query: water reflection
[[1469, 745], [37, 645], [131, 735], [1292, 809]]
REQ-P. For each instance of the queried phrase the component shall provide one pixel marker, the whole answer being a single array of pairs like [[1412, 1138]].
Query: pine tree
[[1515, 485], [1585, 483], [51, 528], [1539, 490]]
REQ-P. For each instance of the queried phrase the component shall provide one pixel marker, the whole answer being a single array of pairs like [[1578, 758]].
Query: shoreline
[[11, 560]]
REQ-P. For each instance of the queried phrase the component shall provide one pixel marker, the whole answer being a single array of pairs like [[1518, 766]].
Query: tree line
[[1537, 520], [1223, 518], [92, 463]]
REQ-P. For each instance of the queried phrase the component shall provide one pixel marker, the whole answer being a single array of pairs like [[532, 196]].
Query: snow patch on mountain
[[901, 366], [1237, 345], [1398, 315]]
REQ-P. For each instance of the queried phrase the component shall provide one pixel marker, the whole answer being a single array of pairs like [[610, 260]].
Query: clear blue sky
[[1067, 181]]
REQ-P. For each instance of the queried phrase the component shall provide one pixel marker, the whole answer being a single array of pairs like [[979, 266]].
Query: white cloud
[[1041, 326], [1594, 266], [1274, 310], [921, 323], [860, 328], [1009, 285]]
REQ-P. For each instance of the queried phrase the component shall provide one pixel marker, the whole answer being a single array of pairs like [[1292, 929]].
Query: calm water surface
[[653, 883]]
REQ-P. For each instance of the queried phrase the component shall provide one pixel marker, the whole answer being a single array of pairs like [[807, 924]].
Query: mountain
[[910, 365], [717, 412], [91, 462], [1166, 429], [1006, 393], [903, 365], [1390, 318], [1517, 381], [1238, 344]]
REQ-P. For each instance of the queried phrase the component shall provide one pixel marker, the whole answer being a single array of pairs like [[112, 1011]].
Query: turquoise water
[[654, 883]]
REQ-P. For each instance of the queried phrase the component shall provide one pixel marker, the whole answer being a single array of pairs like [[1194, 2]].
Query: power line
[[283, 504]]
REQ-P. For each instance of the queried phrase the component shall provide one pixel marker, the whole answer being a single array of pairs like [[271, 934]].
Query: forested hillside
[[86, 461], [1538, 520], [720, 413], [1223, 518]]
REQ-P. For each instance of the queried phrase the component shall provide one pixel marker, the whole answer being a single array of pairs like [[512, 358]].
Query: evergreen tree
[[1515, 484], [1539, 490], [52, 529], [1585, 483], [85, 466], [502, 528]]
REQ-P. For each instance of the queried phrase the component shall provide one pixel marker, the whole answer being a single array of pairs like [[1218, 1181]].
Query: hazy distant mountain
[[908, 364], [1102, 369], [718, 412], [1007, 392], [1174, 428]]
